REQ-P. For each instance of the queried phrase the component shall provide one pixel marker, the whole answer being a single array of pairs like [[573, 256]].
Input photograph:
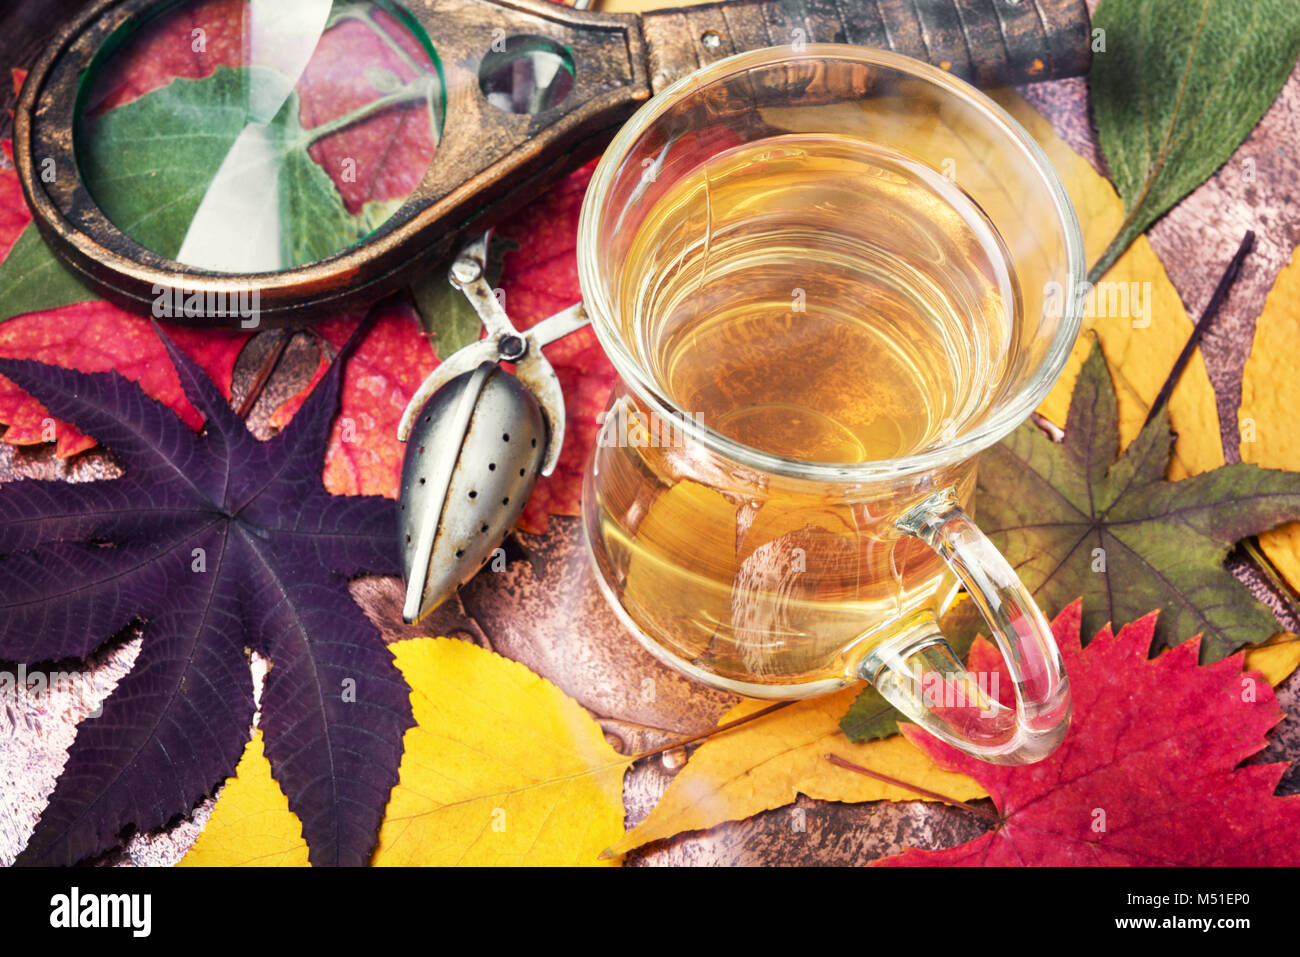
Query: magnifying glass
[[311, 155]]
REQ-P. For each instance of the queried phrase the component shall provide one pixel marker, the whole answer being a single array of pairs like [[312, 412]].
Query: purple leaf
[[217, 542]]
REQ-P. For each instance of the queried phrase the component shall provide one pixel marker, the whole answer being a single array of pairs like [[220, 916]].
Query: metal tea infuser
[[477, 438]]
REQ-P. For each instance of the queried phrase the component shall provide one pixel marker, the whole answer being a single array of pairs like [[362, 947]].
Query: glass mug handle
[[918, 673]]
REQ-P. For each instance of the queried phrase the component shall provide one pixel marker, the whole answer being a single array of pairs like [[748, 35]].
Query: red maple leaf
[[364, 456], [1148, 774]]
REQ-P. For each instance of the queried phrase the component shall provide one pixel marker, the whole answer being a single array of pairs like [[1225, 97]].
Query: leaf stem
[[840, 762], [418, 89], [682, 742], [1211, 310]]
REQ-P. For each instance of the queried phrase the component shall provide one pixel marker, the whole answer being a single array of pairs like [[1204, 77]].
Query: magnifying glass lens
[[251, 136]]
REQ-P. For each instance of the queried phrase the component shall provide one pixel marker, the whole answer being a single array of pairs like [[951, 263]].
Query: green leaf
[[314, 222], [33, 279], [869, 717], [1181, 83], [445, 313], [1074, 521], [149, 163]]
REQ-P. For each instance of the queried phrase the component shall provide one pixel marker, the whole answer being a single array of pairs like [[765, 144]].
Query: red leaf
[[93, 337], [388, 152], [1148, 773], [190, 41], [364, 456]]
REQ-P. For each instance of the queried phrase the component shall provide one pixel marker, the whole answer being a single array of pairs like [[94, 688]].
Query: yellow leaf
[[501, 768], [251, 825], [767, 763], [1139, 357], [1275, 658], [1270, 394]]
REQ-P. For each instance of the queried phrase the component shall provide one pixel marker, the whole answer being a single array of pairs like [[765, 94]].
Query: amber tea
[[819, 298]]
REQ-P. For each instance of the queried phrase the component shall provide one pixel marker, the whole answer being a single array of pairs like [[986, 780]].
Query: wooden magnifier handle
[[988, 42]]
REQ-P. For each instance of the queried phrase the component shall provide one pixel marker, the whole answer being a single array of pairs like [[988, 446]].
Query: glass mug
[[825, 278]]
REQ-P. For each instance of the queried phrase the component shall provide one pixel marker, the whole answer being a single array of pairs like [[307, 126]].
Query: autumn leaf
[[98, 337], [445, 312], [1176, 89], [251, 824], [31, 276], [221, 544], [769, 762], [1149, 771], [1142, 345], [501, 768], [1074, 520], [1270, 395], [364, 455]]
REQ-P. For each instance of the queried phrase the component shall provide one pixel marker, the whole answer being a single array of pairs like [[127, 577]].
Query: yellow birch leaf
[[768, 763], [1270, 394], [501, 768], [1139, 357], [251, 825]]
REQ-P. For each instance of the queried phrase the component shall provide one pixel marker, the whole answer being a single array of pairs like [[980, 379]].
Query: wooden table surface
[[549, 615]]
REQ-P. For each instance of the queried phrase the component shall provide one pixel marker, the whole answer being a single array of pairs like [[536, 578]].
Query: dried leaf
[[1179, 85], [220, 543], [32, 277], [1074, 521], [97, 337], [251, 824], [768, 763], [1148, 774], [1140, 349], [364, 456], [1270, 395], [501, 768]]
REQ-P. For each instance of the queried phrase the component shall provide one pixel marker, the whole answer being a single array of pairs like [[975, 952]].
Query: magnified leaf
[[149, 164]]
